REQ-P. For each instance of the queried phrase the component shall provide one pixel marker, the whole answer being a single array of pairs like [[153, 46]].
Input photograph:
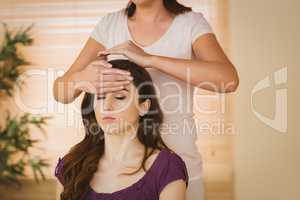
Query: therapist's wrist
[[150, 61]]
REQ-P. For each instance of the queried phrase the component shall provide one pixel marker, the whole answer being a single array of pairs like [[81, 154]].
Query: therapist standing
[[178, 48]]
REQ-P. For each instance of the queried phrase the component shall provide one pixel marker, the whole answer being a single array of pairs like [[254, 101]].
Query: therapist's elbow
[[235, 83], [55, 91], [230, 82], [59, 91]]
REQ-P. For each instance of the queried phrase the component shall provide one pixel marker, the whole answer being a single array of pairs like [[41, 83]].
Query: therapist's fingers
[[102, 54], [101, 57], [118, 49]]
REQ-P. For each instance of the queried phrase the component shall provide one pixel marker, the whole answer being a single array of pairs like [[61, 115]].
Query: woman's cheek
[[130, 114]]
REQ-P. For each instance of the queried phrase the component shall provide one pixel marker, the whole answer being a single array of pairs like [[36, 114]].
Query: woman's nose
[[108, 103]]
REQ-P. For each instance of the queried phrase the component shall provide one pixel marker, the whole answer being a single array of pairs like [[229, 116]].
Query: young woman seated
[[122, 155]]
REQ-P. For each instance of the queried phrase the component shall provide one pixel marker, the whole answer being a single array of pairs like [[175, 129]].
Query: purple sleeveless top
[[167, 167]]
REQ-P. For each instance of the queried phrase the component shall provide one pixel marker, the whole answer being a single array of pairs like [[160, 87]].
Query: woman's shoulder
[[172, 156], [171, 168], [173, 160], [58, 169]]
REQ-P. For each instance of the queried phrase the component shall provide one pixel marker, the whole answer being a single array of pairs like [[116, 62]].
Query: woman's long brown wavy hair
[[81, 162], [171, 5]]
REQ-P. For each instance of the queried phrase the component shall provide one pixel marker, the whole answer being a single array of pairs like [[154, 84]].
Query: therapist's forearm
[[213, 76]]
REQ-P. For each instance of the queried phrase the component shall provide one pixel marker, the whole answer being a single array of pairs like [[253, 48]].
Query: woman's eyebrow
[[125, 89]]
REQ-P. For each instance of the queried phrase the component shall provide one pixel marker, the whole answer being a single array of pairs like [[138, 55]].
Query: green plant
[[10, 60], [15, 145], [15, 140]]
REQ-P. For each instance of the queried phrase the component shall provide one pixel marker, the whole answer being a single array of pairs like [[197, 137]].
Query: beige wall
[[264, 39]]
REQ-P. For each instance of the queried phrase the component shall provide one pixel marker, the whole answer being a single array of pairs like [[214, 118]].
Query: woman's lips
[[109, 118]]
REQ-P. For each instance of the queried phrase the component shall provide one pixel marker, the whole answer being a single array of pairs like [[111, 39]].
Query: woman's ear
[[144, 107]]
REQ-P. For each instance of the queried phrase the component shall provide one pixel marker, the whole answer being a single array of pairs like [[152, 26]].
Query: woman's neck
[[122, 147]]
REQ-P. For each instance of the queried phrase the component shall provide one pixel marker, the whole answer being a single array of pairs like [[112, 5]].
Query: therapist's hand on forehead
[[129, 49], [99, 77]]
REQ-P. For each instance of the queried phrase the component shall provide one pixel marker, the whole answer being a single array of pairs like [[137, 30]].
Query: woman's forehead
[[129, 88]]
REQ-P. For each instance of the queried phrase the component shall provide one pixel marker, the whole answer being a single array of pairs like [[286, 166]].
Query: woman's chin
[[116, 127], [111, 128]]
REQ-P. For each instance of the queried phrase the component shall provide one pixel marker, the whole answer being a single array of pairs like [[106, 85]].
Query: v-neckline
[[139, 181], [164, 35]]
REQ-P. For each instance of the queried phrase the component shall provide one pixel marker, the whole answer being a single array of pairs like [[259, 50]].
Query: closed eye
[[100, 97], [120, 97], [117, 97]]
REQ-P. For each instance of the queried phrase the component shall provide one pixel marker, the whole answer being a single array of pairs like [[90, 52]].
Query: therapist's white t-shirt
[[175, 96]]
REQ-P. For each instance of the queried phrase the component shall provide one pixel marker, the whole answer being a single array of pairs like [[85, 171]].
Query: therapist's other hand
[[99, 78], [133, 52]]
